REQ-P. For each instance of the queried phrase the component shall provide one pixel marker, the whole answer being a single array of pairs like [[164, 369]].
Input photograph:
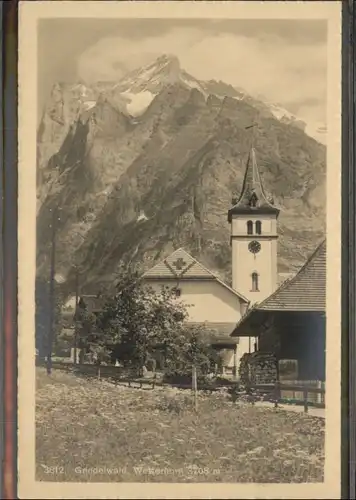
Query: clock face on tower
[[254, 247]]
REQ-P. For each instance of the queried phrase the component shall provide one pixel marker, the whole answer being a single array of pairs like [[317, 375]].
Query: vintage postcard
[[179, 249]]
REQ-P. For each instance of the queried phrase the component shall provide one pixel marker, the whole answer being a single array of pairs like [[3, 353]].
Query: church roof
[[252, 190], [181, 265], [219, 331]]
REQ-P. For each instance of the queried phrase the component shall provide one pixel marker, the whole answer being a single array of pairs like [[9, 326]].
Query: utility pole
[[76, 313], [52, 290]]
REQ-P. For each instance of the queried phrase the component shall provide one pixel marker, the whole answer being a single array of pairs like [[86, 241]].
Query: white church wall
[[264, 263], [268, 223], [209, 300]]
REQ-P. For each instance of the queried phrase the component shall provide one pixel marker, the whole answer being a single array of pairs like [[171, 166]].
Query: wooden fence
[[116, 374], [313, 397], [276, 393]]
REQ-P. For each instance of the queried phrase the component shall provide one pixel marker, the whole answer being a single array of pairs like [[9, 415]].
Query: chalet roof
[[93, 303], [305, 292], [180, 265], [282, 277], [252, 187]]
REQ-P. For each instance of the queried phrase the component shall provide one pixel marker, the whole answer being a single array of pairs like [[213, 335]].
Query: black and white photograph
[[180, 223]]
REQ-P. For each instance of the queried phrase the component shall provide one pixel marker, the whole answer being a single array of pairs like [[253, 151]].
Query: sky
[[285, 61]]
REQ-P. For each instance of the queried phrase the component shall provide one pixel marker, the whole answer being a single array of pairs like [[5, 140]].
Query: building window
[[177, 292], [249, 227], [254, 282], [258, 227]]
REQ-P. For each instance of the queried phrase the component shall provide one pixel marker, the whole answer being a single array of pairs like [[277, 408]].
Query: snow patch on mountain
[[138, 102], [88, 105], [141, 76], [192, 83], [317, 131], [281, 113], [164, 70], [239, 97]]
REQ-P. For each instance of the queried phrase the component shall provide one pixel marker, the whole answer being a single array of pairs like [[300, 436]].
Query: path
[[314, 412]]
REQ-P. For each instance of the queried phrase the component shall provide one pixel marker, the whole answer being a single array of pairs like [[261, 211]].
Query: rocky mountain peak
[[168, 60], [151, 77], [162, 139]]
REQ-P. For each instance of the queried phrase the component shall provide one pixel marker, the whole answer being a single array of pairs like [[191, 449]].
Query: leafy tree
[[139, 325], [190, 347]]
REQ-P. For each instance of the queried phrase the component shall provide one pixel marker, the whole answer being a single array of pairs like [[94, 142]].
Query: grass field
[[89, 430]]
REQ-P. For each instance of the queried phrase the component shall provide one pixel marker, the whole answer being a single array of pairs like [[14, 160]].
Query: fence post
[[249, 392], [276, 393], [319, 394], [305, 399]]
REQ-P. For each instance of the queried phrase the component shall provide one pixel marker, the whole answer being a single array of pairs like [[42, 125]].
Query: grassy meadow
[[90, 430]]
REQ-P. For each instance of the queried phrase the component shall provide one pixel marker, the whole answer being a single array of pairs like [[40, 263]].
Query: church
[[253, 219], [225, 310], [262, 311]]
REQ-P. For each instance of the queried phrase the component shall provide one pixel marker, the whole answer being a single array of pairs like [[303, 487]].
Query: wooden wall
[[300, 336]]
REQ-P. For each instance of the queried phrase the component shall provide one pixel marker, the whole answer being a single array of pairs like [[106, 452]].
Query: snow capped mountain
[[317, 131], [133, 94], [142, 85], [164, 70], [152, 160]]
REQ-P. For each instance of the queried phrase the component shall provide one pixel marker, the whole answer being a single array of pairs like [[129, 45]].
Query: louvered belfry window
[[249, 227]]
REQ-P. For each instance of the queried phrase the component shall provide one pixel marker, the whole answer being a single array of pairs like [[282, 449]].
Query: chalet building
[[291, 322]]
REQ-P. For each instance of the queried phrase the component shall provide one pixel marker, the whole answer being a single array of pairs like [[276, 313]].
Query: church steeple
[[252, 197]]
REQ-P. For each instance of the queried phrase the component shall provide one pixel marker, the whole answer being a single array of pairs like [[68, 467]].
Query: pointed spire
[[252, 186], [252, 196]]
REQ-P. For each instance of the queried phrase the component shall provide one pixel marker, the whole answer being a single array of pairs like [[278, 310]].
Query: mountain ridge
[[181, 160]]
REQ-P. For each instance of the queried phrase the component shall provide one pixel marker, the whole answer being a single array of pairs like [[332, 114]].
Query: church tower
[[254, 234]]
